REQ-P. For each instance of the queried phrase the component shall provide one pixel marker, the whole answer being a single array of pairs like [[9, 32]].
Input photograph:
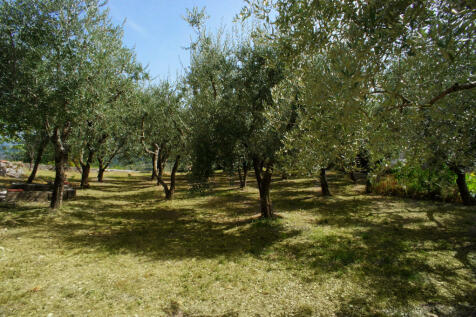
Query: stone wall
[[11, 169], [14, 195]]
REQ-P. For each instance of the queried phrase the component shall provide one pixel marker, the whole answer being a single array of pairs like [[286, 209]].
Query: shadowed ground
[[120, 249]]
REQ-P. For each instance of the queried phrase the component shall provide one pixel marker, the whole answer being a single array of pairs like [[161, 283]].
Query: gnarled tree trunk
[[162, 157], [170, 191], [155, 157], [324, 184], [60, 177], [101, 170], [463, 187], [368, 183], [61, 158], [86, 168], [39, 155], [263, 178], [160, 170], [352, 177], [243, 174], [104, 162], [265, 199]]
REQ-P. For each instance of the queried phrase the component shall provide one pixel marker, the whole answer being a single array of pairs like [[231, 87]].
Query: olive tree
[[57, 58], [162, 131], [230, 102], [410, 61]]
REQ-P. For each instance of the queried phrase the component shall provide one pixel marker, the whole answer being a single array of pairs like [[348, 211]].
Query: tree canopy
[[307, 86]]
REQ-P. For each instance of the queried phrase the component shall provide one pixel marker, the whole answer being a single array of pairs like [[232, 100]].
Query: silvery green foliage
[[331, 129], [209, 94], [61, 61], [159, 119], [402, 70], [231, 93]]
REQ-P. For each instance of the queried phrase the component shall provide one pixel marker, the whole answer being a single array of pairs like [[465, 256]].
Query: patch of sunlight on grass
[[120, 249]]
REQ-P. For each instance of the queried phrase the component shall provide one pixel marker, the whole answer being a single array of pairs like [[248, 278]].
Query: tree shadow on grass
[[233, 203], [19, 215], [130, 197], [388, 246], [286, 196], [133, 218], [164, 234], [5, 182], [393, 255], [118, 186], [390, 252]]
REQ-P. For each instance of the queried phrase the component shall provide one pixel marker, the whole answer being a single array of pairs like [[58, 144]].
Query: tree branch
[[142, 138], [81, 158], [456, 87], [113, 154]]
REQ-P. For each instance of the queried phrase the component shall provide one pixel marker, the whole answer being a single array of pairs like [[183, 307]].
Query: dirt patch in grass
[[120, 249]]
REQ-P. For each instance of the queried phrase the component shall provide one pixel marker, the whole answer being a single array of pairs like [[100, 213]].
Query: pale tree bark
[[162, 157], [243, 174], [61, 158], [154, 166], [154, 153], [170, 190], [155, 159]]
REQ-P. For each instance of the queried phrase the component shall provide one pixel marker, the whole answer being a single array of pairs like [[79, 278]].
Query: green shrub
[[471, 181], [202, 188], [421, 183]]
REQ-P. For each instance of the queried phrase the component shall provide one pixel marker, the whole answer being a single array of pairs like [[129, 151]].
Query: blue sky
[[159, 34]]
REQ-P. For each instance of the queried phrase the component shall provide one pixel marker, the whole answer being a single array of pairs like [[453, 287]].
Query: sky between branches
[[159, 34]]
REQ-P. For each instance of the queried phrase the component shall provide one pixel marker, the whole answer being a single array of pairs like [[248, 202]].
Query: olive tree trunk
[[101, 170], [243, 175], [161, 160], [352, 177], [263, 178], [39, 155], [463, 187], [160, 170], [105, 161], [368, 183], [170, 190], [61, 158], [86, 169], [324, 184], [155, 158]]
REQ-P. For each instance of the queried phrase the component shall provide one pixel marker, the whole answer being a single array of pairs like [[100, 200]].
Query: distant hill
[[8, 151]]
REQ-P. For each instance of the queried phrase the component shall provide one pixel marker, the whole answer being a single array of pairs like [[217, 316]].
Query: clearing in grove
[[120, 249]]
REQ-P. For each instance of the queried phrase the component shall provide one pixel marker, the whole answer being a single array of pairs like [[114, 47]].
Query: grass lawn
[[119, 249]]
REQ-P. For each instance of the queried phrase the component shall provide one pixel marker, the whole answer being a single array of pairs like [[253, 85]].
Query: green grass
[[471, 181], [119, 249]]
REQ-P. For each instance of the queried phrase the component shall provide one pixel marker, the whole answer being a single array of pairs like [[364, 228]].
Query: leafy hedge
[[422, 183]]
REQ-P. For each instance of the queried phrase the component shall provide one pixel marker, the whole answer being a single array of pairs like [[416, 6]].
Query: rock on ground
[[11, 169]]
